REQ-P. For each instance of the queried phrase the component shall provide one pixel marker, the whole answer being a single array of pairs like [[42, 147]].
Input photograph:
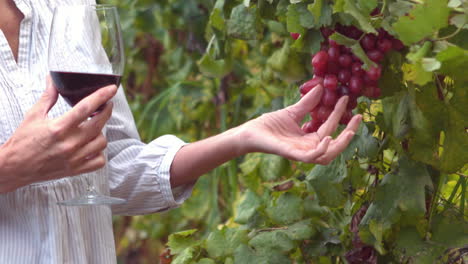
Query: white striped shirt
[[33, 228]]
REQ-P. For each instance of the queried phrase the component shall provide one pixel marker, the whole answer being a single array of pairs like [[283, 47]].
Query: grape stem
[[453, 34]]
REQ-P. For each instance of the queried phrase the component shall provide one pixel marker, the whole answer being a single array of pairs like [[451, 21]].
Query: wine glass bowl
[[85, 54], [85, 50]]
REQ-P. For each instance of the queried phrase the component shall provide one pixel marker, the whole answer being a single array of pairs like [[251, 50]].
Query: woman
[[44, 143]]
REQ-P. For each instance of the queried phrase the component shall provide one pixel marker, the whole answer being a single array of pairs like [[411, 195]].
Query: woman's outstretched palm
[[280, 133]]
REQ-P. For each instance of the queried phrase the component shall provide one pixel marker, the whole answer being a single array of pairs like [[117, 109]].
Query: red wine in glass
[[74, 86]]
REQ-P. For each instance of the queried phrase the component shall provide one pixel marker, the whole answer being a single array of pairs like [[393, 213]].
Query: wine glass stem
[[90, 185]]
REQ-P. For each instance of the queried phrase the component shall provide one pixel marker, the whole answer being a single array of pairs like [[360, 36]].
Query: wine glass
[[85, 54]]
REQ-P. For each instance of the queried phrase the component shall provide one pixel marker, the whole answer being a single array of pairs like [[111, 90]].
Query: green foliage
[[197, 68]]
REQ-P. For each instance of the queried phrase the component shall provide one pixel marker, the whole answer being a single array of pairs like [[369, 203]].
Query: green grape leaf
[[246, 255], [287, 63], [184, 257], [305, 19], [425, 19], [400, 192], [366, 145], [355, 47], [180, 241], [391, 81], [214, 68], [338, 6], [276, 240], [293, 22], [367, 6], [362, 18], [249, 169], [309, 42], [217, 20], [286, 209], [223, 242], [273, 167], [416, 73], [301, 230], [450, 230], [455, 147], [206, 261], [454, 62], [410, 244], [249, 204], [396, 114], [327, 182], [244, 23], [321, 13], [316, 8]]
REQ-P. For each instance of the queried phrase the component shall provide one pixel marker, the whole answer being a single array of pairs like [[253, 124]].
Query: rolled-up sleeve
[[139, 172]]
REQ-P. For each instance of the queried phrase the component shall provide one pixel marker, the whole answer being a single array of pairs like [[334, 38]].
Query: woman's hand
[[44, 149], [280, 132]]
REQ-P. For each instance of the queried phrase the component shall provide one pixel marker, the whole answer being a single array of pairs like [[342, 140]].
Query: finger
[[86, 107], [336, 147], [91, 149], [47, 100], [92, 127], [305, 105], [321, 149], [90, 165], [333, 121]]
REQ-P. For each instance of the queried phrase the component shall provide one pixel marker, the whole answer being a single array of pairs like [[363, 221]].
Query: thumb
[[48, 99]]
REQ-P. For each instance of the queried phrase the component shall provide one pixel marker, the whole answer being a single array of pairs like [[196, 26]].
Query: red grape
[[346, 117], [295, 35], [356, 69], [333, 43], [375, 55], [355, 85], [323, 112], [368, 81], [344, 75], [368, 91], [352, 102], [311, 126], [368, 42], [345, 50], [356, 58], [330, 82], [374, 73], [354, 33], [397, 44], [376, 93], [329, 98], [320, 60], [307, 86], [324, 46], [320, 72], [343, 91], [375, 12], [326, 32], [333, 68], [333, 53], [382, 33], [314, 113], [345, 60], [384, 45]]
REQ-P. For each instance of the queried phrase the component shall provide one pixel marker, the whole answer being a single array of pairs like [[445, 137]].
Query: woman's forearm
[[198, 158]]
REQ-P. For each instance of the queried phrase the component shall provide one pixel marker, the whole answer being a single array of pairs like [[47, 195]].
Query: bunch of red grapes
[[340, 72]]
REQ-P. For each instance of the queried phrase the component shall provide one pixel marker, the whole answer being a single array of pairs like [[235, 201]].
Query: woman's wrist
[[9, 180]]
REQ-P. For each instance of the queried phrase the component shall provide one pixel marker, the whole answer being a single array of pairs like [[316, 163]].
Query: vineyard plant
[[397, 194]]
